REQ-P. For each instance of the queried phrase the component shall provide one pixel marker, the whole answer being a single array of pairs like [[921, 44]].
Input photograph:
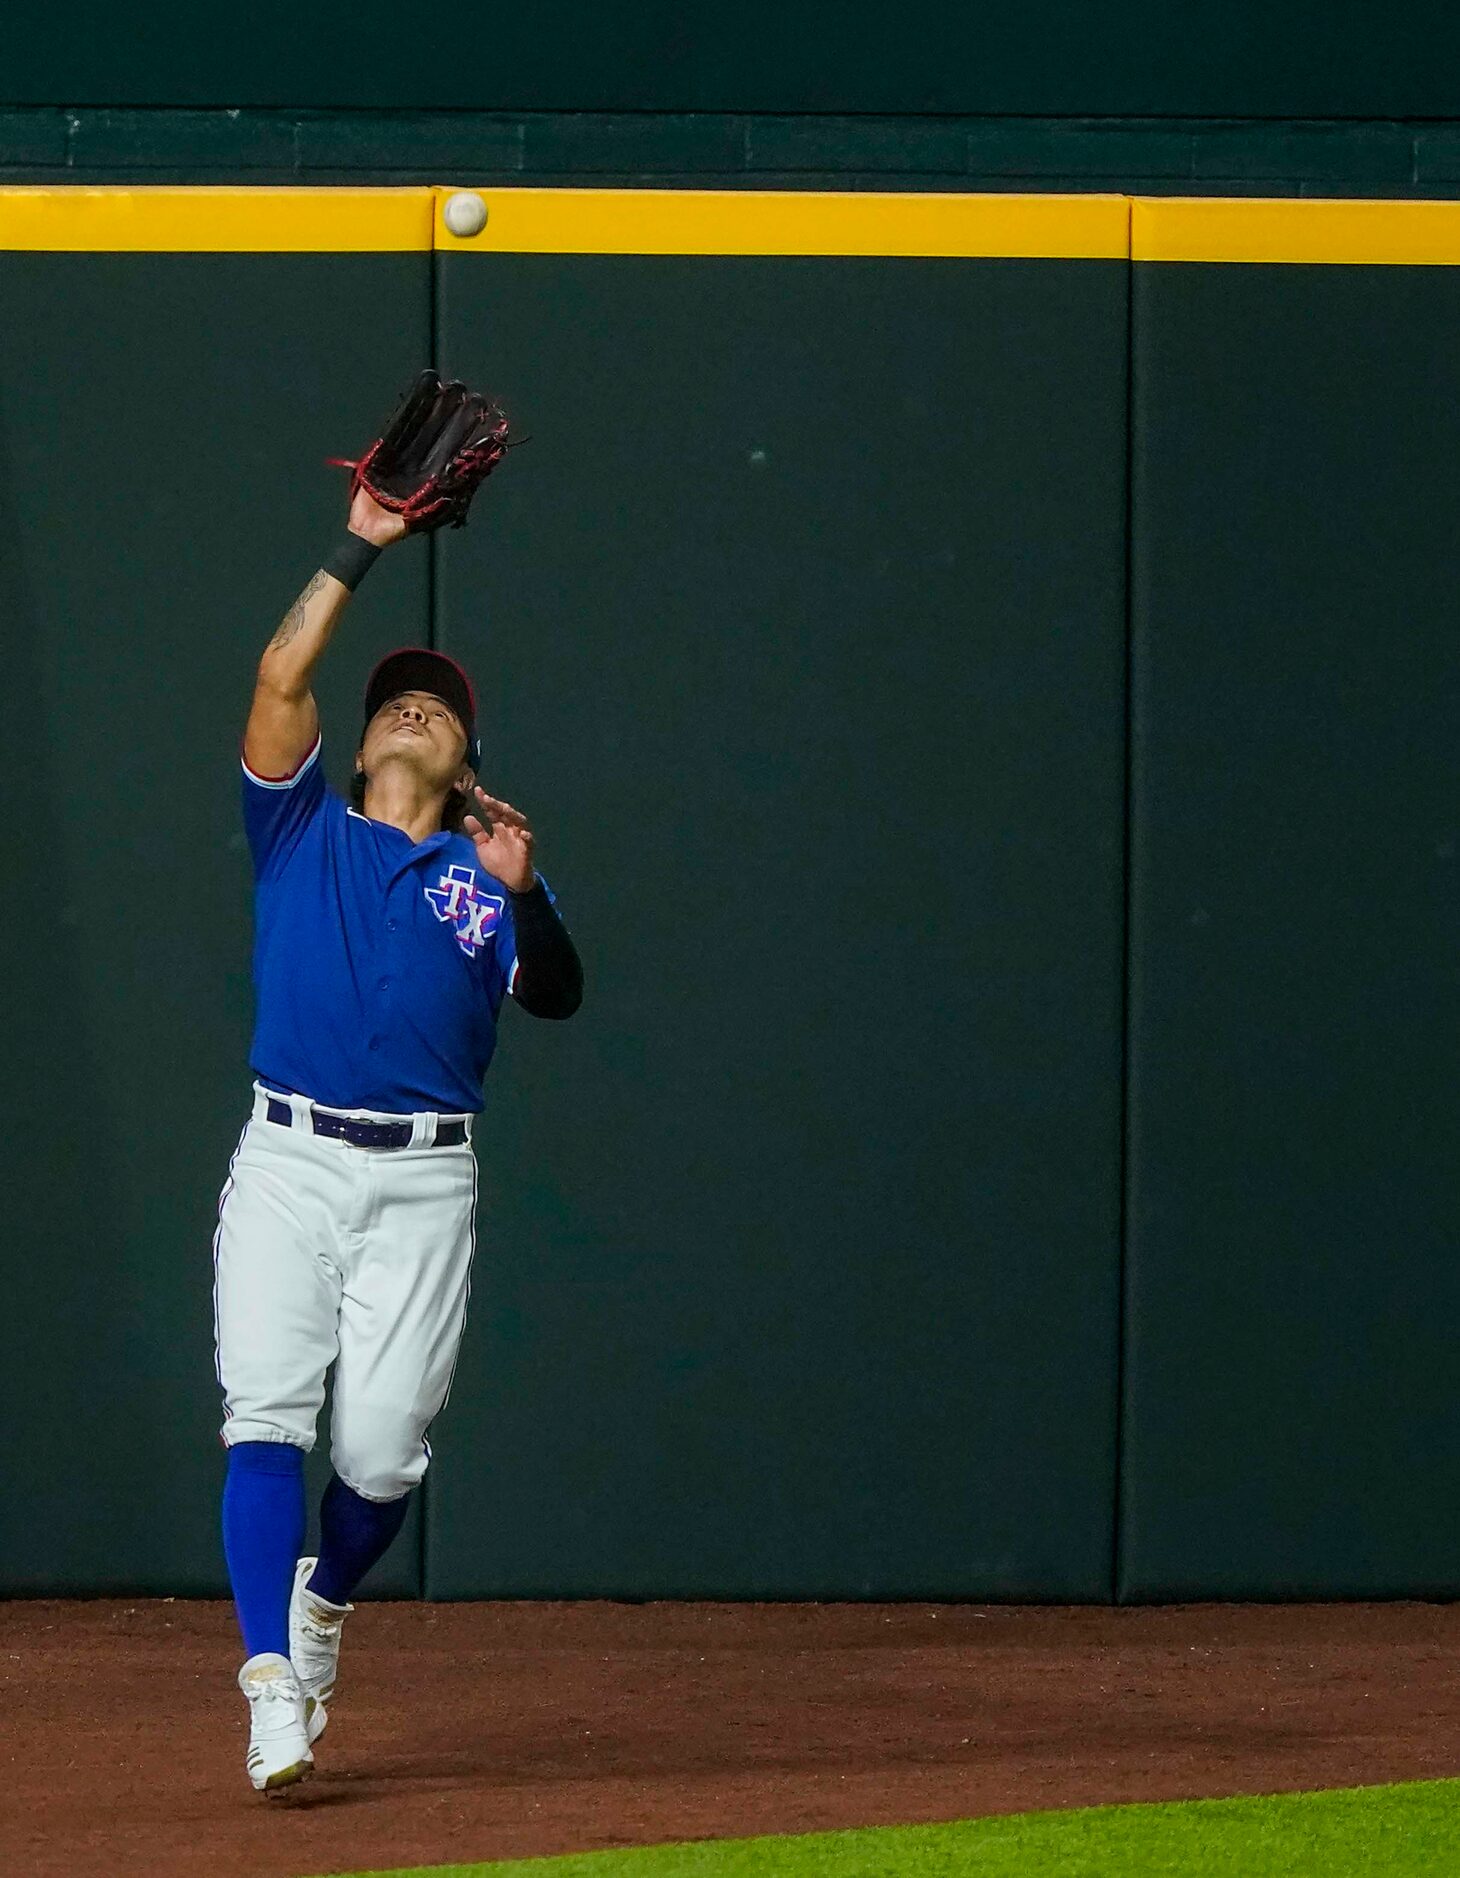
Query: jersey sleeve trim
[[512, 980], [283, 782]]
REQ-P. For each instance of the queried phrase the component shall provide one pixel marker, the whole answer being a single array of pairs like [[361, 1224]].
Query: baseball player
[[388, 930]]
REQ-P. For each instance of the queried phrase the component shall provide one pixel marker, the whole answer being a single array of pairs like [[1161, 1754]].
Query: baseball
[[466, 213]]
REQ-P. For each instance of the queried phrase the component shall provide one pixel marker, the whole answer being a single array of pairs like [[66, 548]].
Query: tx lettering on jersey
[[459, 902]]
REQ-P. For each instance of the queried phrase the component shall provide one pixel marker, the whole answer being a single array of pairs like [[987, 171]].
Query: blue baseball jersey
[[380, 963]]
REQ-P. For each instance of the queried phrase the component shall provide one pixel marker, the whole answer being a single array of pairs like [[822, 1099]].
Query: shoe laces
[[275, 1688]]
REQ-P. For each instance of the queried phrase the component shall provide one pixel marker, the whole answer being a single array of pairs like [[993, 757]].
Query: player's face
[[421, 731]]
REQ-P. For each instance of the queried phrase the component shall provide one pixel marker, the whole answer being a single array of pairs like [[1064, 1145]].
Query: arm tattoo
[[293, 620]]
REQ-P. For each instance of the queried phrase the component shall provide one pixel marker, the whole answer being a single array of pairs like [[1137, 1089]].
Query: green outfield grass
[[1351, 1833]]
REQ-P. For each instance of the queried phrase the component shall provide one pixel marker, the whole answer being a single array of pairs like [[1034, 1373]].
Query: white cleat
[[314, 1646], [278, 1740]]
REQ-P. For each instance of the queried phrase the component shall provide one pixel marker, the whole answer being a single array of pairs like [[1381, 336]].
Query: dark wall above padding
[[1040, 58]]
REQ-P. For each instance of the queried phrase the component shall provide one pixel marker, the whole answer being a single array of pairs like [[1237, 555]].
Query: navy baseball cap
[[417, 668]]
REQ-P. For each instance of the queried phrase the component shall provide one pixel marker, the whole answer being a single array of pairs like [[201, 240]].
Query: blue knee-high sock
[[263, 1535], [353, 1534]]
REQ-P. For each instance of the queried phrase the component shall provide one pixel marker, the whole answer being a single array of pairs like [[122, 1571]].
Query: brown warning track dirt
[[504, 1730]]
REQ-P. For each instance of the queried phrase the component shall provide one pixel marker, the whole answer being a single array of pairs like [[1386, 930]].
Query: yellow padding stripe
[[759, 221], [216, 221], [748, 222], [1369, 234]]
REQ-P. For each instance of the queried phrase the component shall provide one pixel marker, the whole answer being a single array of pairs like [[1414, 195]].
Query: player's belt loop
[[423, 1130], [302, 1111]]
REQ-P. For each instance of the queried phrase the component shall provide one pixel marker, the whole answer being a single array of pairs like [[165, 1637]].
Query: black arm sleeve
[[549, 971]]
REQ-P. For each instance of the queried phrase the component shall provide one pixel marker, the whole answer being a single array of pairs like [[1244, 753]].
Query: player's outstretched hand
[[503, 841], [372, 522]]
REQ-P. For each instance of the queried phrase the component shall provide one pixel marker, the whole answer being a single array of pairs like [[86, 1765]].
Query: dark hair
[[452, 810]]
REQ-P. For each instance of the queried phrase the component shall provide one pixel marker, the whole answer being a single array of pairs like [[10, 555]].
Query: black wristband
[[352, 560]]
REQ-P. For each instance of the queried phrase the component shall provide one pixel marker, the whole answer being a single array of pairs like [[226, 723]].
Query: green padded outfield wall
[[801, 629], [800, 626], [163, 420], [1292, 1420]]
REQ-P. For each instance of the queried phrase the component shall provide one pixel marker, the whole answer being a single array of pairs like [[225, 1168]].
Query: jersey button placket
[[392, 927]]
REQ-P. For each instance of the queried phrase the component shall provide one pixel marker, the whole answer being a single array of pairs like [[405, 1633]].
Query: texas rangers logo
[[458, 901]]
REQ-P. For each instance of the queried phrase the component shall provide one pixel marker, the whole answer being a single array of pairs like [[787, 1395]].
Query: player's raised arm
[[283, 721]]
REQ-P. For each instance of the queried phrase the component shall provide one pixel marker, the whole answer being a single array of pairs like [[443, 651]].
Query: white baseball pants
[[360, 1257]]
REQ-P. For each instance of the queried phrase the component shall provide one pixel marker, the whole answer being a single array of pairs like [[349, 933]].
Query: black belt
[[367, 1134]]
